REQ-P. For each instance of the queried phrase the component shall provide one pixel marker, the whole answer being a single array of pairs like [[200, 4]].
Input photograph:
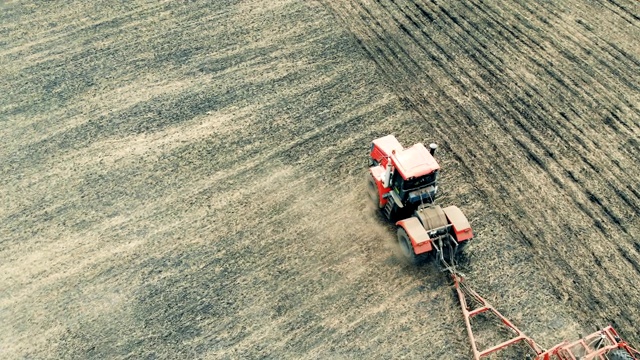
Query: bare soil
[[185, 179]]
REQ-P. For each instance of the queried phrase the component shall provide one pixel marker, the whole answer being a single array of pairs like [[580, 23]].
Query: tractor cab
[[415, 176], [402, 179]]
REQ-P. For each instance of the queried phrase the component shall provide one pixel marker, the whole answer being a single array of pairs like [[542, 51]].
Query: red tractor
[[401, 179], [403, 183]]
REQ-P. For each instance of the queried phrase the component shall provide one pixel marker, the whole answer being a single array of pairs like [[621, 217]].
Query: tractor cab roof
[[388, 144], [414, 162]]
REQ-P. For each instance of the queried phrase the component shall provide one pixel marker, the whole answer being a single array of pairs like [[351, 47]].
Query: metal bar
[[443, 227], [465, 312], [597, 354], [502, 345], [477, 311]]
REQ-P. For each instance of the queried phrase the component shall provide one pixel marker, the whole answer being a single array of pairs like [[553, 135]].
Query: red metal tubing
[[477, 355], [502, 345]]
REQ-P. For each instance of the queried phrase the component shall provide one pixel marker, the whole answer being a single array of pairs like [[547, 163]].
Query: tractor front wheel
[[406, 248], [372, 190]]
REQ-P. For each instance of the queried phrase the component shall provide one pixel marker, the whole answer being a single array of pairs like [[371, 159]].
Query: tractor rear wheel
[[619, 354], [406, 248], [461, 257], [460, 249]]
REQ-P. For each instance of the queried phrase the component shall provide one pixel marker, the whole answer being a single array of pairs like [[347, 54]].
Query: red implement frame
[[592, 347], [464, 292]]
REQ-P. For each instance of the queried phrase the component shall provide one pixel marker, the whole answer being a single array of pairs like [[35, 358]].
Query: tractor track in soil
[[186, 179]]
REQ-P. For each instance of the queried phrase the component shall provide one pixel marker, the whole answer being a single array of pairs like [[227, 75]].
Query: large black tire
[[461, 247], [461, 258], [406, 249], [390, 211], [620, 354], [372, 191]]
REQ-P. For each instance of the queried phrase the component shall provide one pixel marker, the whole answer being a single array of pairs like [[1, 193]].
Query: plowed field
[[185, 179]]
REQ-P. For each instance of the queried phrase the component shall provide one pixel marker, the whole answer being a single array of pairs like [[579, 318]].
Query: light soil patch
[[185, 179]]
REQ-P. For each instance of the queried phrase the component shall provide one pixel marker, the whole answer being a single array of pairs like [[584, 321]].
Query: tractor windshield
[[420, 182]]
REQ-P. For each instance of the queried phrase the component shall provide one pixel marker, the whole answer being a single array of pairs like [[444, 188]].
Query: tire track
[[538, 142], [553, 129], [627, 13], [556, 76], [624, 197], [588, 47]]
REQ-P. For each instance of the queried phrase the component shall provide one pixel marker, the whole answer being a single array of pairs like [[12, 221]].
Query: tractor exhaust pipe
[[432, 148]]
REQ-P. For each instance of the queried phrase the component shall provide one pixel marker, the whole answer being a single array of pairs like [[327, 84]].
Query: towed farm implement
[[403, 185]]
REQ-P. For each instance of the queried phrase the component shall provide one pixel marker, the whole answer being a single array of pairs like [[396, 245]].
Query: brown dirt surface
[[185, 179]]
